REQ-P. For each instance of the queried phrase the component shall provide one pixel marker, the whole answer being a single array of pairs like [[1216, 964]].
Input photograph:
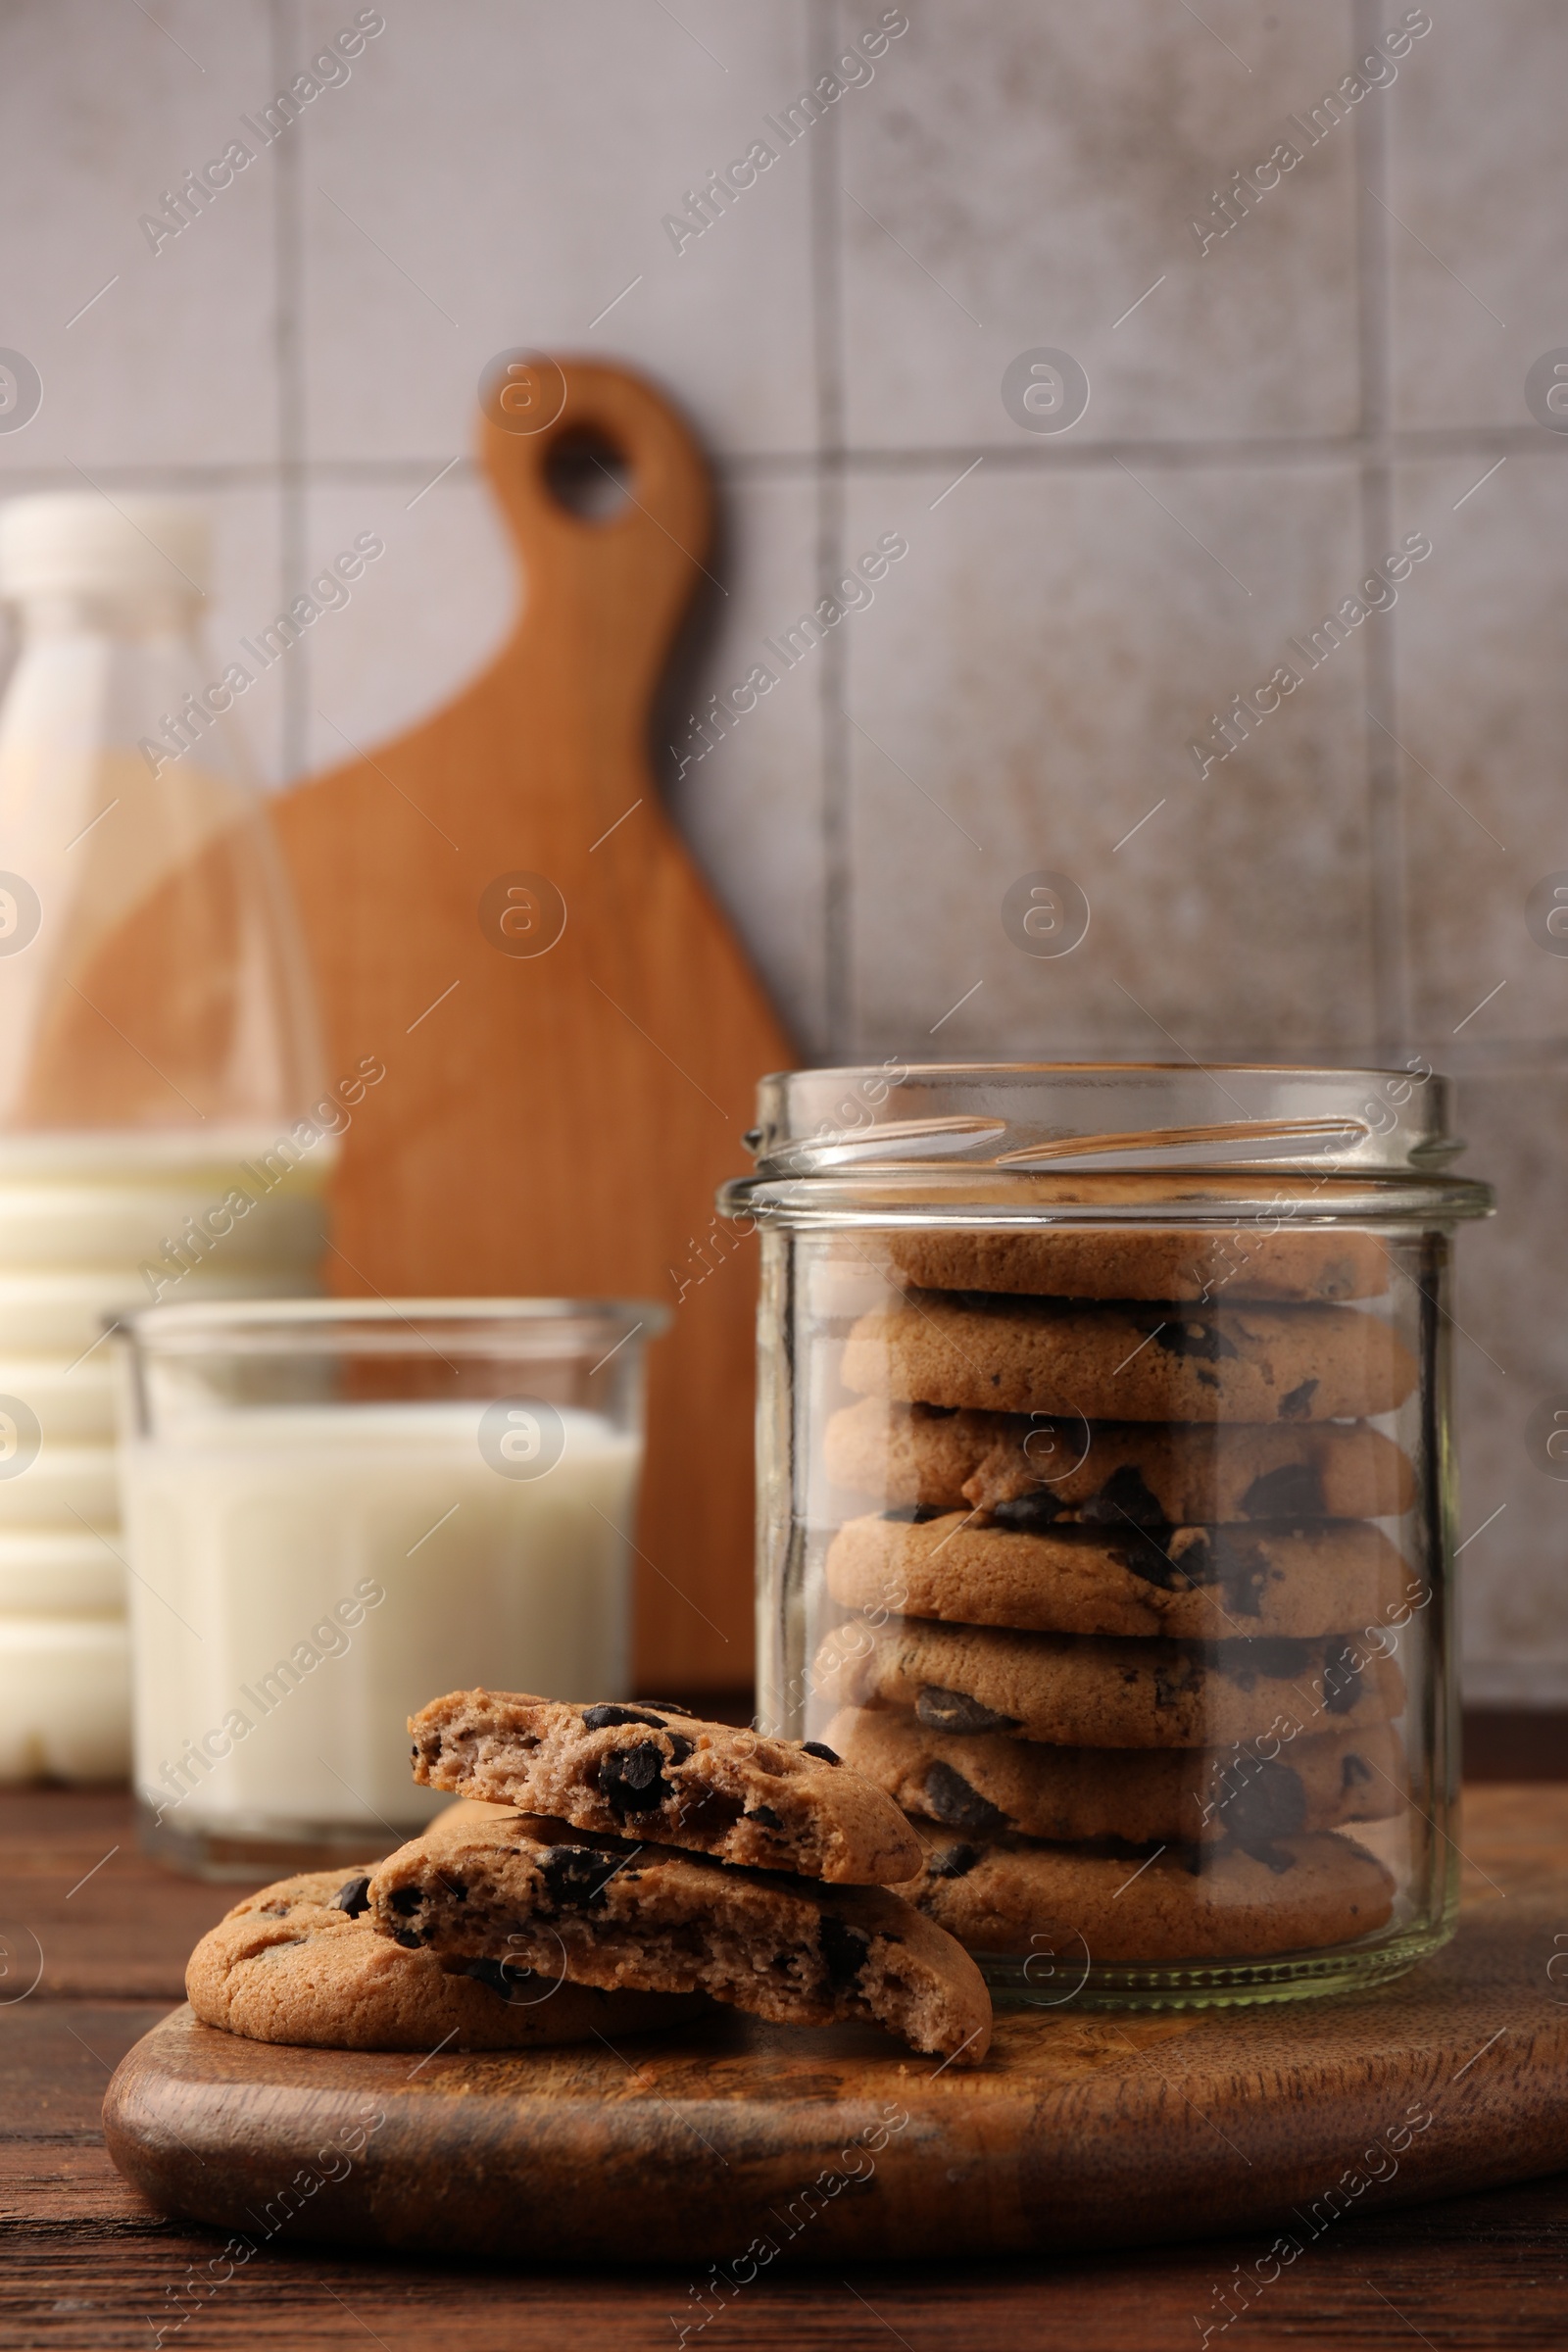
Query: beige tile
[[513, 166], [1478, 179], [430, 613], [423, 619], [1036, 667], [1039, 163], [1482, 709], [174, 362], [753, 806], [1511, 1354]]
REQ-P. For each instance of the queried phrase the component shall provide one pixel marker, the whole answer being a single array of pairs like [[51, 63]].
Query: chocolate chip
[[1124, 1496], [632, 1779], [409, 1939], [498, 1976], [1147, 1555], [1342, 1679], [953, 1802], [1297, 1403], [576, 1876], [1353, 1768], [1294, 1490], [1190, 1551], [1195, 1338], [845, 1950], [953, 1862], [490, 1973], [819, 1748], [603, 1719], [1238, 1564], [1261, 1799], [353, 1896], [767, 1816], [680, 1749], [406, 1900], [915, 1514], [955, 1711], [1172, 1678]]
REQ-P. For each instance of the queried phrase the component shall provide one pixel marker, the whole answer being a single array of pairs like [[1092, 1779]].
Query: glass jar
[[339, 1508], [1107, 1506]]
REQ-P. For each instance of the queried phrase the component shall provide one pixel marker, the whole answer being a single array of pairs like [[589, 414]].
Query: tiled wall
[[1267, 417]]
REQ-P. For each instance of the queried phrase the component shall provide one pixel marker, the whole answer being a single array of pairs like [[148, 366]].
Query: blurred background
[[1293, 367]]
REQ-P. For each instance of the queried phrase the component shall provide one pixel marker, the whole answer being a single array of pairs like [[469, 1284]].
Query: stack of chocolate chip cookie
[[622, 1867], [1107, 1641]]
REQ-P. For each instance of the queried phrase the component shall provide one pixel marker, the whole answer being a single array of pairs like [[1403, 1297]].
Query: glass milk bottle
[[164, 1133]]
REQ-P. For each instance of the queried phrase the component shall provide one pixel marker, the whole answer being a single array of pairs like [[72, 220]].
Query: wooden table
[[85, 2263]]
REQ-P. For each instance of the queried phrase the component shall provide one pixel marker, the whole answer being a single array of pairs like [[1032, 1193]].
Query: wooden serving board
[[556, 1122], [1080, 2130]]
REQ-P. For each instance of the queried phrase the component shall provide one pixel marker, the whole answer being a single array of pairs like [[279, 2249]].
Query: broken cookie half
[[300, 1963], [653, 1771], [605, 1910]]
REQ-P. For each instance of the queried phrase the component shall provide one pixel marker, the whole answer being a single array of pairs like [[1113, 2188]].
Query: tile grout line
[[291, 439], [1424, 444], [1391, 1010], [828, 325]]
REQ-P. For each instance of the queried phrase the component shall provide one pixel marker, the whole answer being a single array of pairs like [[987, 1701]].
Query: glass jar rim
[[1080, 1138], [385, 1326], [1042, 1115]]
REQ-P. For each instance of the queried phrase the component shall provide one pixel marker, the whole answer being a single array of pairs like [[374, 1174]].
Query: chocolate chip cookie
[[300, 1962], [1031, 1473], [1077, 1690], [1064, 1261], [607, 1911], [1068, 1908], [989, 1783], [657, 1772], [1191, 1584], [1130, 1364]]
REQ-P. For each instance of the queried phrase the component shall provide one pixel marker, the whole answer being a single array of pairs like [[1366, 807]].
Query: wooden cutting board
[[558, 1110], [1080, 2129]]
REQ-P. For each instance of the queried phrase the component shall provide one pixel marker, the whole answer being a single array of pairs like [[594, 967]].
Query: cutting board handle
[[603, 594]]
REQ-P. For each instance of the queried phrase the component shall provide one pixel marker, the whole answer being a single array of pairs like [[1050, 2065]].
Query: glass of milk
[[337, 1510]]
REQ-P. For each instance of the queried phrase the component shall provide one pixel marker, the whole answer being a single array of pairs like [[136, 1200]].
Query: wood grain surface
[[87, 2263], [558, 1109], [1078, 2131]]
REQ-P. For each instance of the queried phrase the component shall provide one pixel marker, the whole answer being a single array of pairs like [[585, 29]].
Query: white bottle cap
[[74, 542]]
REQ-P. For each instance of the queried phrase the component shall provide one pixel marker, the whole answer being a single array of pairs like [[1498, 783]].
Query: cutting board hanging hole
[[588, 475]]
